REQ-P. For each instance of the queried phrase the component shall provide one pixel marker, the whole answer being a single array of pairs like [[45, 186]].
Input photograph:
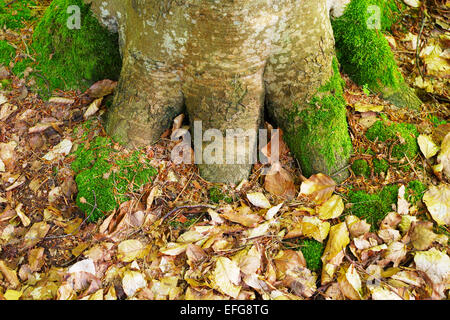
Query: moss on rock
[[390, 133], [321, 142], [76, 58], [360, 167], [104, 178]]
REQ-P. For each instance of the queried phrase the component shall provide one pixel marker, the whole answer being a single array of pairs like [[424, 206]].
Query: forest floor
[[381, 234]]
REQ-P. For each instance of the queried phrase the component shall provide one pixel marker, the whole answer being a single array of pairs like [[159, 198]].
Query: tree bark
[[225, 60]]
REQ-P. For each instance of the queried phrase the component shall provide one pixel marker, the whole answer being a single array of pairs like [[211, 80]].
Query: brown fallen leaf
[[280, 182], [101, 88], [243, 216], [9, 274], [36, 259]]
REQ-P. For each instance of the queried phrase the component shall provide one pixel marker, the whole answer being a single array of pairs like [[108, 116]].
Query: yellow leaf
[[437, 200], [332, 208], [444, 156], [227, 277], [319, 187], [12, 294], [130, 250], [313, 227], [174, 249], [333, 253], [362, 107], [259, 200], [427, 146], [350, 283]]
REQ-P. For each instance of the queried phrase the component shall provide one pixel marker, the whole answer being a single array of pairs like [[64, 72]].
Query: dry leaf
[[227, 277], [130, 250], [437, 200], [332, 208], [334, 251], [101, 88], [259, 200], [427, 146], [319, 187], [279, 182]]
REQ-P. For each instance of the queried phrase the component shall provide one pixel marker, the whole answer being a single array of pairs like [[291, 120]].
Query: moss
[[363, 51], [104, 177], [20, 66], [7, 53], [389, 133], [216, 195], [17, 14], [322, 135], [71, 59], [177, 225], [436, 120], [361, 168], [312, 251], [416, 190], [373, 207], [380, 165]]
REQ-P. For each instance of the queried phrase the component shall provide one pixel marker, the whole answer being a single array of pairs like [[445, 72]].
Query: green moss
[[385, 133], [436, 120], [321, 140], [71, 59], [363, 51], [216, 195], [416, 190], [20, 67], [104, 177], [361, 168], [7, 53], [177, 225], [17, 14], [380, 165], [312, 251], [373, 207]]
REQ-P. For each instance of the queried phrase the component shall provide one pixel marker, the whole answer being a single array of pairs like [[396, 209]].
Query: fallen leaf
[[9, 274], [313, 227], [227, 277], [93, 108], [363, 107], [259, 200], [334, 251], [444, 156], [133, 281], [437, 200], [332, 208], [427, 146], [102, 88], [130, 250], [350, 283], [63, 148], [279, 182], [319, 187]]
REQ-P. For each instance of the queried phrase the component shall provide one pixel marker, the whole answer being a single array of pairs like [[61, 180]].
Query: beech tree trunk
[[224, 61]]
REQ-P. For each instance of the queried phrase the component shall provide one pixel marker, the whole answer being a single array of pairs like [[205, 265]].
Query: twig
[[187, 207]]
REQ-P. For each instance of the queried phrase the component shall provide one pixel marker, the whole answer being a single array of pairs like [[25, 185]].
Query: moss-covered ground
[[105, 178]]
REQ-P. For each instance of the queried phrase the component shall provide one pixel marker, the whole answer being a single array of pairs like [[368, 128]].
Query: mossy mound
[[17, 13], [390, 133], [321, 142], [374, 207], [365, 53], [380, 166], [360, 167], [312, 252], [7, 53], [71, 59], [104, 177]]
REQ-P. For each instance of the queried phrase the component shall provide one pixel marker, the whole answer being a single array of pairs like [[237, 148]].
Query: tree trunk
[[225, 60]]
